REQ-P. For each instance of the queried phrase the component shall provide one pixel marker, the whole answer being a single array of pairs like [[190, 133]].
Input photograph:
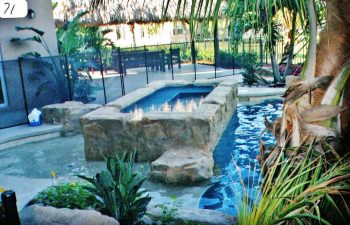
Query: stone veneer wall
[[107, 131]]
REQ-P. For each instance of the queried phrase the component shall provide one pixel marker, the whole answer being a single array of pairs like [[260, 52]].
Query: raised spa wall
[[179, 144]]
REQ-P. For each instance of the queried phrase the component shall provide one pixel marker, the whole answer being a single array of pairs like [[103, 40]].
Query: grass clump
[[301, 189]]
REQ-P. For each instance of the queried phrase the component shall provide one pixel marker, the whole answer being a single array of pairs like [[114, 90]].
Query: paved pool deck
[[24, 169]]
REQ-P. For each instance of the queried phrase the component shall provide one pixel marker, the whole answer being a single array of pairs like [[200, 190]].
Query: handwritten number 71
[[9, 6]]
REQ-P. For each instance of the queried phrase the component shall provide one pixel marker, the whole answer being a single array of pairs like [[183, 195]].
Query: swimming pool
[[169, 99], [240, 144]]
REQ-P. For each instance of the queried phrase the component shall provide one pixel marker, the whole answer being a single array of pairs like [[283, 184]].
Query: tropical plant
[[296, 190], [249, 64], [38, 37], [252, 70], [95, 39], [67, 195], [69, 40], [118, 187]]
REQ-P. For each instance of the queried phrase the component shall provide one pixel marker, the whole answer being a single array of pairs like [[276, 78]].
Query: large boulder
[[44, 215], [68, 115], [184, 166]]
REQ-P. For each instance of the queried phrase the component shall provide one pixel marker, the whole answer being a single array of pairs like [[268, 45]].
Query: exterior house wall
[[12, 108], [43, 21]]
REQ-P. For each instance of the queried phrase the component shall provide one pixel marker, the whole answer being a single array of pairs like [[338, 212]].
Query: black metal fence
[[104, 76]]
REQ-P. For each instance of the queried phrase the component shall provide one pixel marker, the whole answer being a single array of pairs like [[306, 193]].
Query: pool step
[[19, 135]]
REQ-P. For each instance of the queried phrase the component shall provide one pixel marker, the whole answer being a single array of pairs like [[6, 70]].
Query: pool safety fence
[[103, 76]]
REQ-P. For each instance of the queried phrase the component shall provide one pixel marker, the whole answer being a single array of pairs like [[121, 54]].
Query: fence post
[[250, 45], [146, 65], [261, 51], [233, 60], [68, 77], [243, 45], [103, 78], [121, 71], [23, 88], [266, 53], [216, 47], [193, 53], [171, 63], [9, 205]]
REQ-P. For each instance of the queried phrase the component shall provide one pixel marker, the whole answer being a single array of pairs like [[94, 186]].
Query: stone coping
[[149, 89]]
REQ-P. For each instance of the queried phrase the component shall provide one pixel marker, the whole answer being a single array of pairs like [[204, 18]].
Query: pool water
[[179, 99], [235, 155]]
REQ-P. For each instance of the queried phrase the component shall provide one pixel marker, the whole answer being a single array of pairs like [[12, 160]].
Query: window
[[178, 30]]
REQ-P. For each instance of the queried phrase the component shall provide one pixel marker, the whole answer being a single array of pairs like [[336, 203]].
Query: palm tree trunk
[[275, 70], [332, 55], [310, 64], [291, 47]]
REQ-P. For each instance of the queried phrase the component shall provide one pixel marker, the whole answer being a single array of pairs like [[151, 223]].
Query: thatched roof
[[120, 11]]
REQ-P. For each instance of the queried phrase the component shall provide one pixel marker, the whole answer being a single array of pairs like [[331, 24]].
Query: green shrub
[[249, 63], [67, 195], [118, 187]]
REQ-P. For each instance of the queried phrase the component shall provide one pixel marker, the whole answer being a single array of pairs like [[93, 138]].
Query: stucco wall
[[43, 21]]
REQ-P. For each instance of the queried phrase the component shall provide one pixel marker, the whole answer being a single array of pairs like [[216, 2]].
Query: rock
[[185, 166], [44, 215], [191, 215], [68, 115]]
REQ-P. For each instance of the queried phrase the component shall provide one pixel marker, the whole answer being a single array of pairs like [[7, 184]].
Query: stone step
[[183, 166], [19, 135]]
